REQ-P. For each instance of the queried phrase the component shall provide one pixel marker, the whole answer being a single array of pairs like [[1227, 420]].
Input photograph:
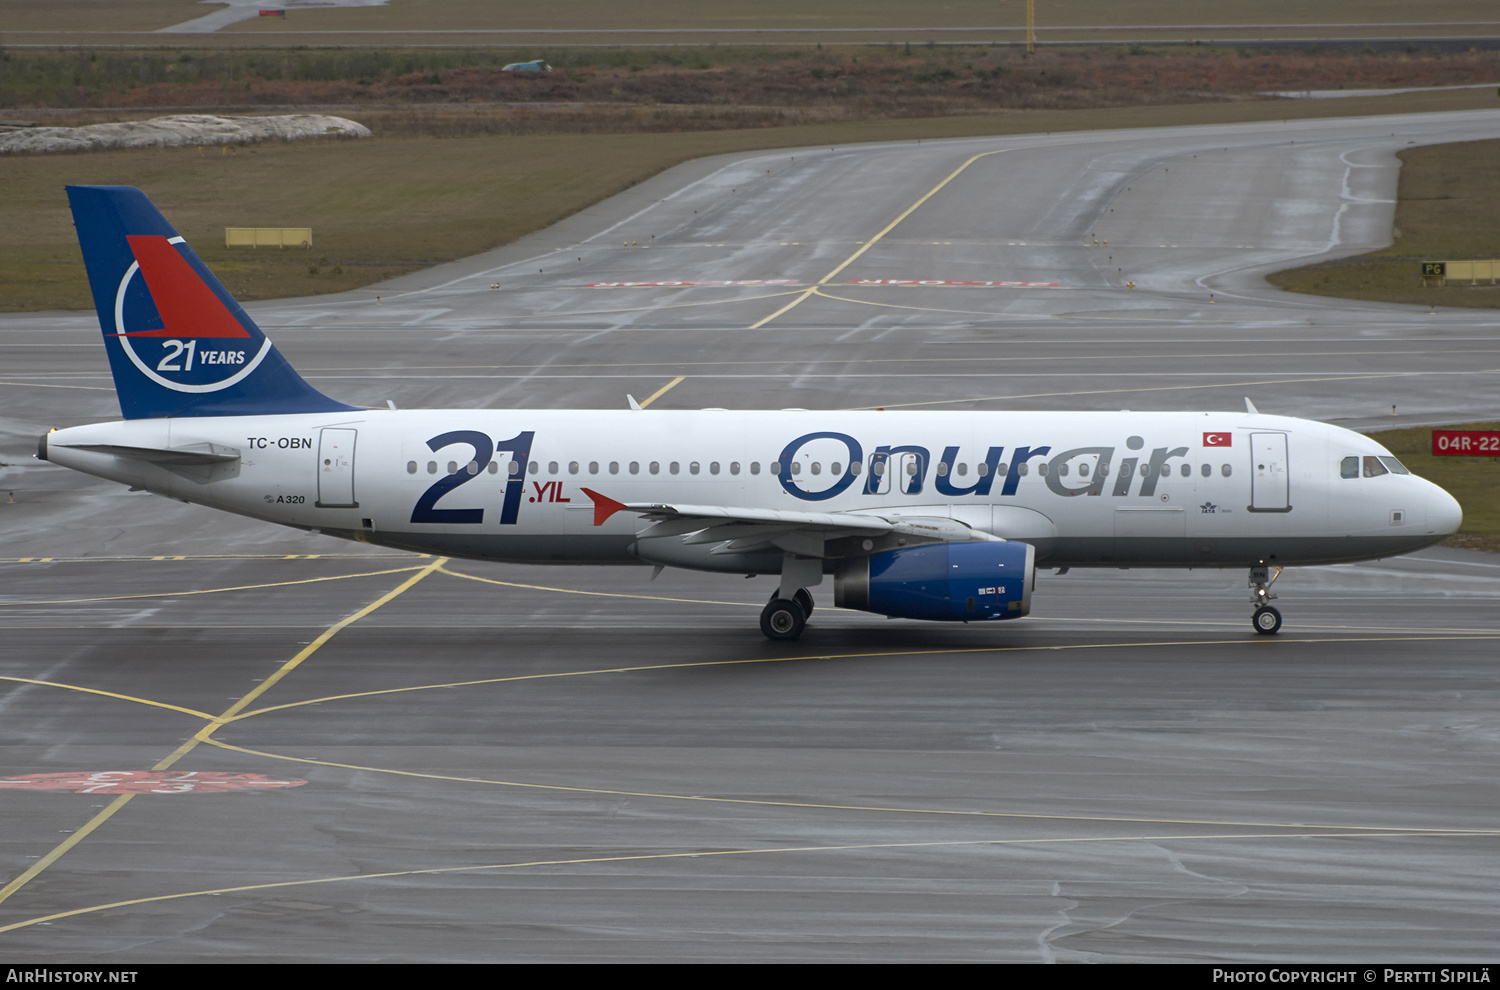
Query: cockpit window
[[1349, 467], [1373, 467], [1396, 466]]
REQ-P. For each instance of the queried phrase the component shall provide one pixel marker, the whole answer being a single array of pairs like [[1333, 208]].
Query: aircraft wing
[[809, 534]]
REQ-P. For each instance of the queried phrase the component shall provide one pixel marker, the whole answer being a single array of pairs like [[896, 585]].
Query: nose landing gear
[[1265, 620]]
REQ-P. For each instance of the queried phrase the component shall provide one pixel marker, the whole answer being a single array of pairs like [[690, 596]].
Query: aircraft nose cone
[[1444, 514]]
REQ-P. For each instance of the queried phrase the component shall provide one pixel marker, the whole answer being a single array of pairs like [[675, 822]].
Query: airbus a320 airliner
[[919, 515]]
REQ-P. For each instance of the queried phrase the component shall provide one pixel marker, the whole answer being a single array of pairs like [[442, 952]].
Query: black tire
[[803, 598], [782, 619], [1266, 620]]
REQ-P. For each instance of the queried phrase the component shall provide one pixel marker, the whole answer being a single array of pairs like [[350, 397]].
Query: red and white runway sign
[[1466, 443]]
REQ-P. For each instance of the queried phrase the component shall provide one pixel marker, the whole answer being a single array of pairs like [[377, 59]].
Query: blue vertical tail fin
[[178, 343]]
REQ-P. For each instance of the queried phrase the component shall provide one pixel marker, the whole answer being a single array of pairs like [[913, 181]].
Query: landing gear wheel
[[804, 601], [782, 619], [1266, 620]]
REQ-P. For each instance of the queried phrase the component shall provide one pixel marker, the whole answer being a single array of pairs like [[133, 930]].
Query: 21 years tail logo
[[174, 328]]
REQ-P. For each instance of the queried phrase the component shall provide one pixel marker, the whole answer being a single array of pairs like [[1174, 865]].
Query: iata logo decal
[[1218, 439], [174, 328], [1209, 508]]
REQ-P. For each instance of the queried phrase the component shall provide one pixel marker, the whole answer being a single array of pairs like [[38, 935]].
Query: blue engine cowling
[[946, 581]]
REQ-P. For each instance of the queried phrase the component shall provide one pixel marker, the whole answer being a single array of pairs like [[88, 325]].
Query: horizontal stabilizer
[[201, 463], [196, 453]]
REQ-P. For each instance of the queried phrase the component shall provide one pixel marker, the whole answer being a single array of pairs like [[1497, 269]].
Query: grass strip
[[1449, 197], [392, 205]]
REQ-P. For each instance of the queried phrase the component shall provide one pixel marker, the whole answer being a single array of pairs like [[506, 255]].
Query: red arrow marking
[[604, 506]]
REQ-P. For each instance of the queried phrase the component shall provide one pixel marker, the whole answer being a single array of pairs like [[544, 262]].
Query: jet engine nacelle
[[945, 581]]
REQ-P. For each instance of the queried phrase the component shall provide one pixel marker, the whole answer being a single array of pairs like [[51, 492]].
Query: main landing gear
[[785, 615], [1266, 620], [785, 618]]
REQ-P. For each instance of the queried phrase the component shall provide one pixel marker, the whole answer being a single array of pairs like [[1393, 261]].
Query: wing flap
[[805, 534]]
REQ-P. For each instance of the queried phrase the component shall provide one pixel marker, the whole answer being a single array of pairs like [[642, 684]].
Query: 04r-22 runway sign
[[1466, 443]]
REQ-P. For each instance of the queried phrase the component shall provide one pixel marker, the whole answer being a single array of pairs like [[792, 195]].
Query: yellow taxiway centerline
[[660, 392], [811, 290], [202, 735]]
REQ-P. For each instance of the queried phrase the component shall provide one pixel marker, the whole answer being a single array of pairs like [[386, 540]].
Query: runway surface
[[507, 763]]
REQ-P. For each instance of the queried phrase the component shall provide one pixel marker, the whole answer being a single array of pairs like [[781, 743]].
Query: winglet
[[1250, 407], [633, 404], [604, 506]]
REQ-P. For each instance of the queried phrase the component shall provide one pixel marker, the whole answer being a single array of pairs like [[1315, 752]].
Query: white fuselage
[[1101, 489]]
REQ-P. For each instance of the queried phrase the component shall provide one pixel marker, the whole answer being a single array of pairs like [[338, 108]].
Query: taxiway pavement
[[545, 764]]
